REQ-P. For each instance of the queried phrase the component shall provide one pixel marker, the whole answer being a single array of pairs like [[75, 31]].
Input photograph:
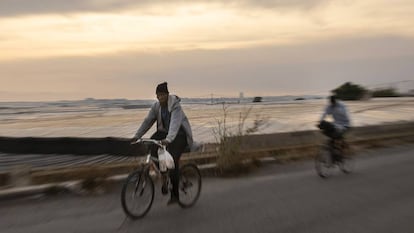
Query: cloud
[[234, 24], [312, 68], [23, 7], [301, 4], [10, 8]]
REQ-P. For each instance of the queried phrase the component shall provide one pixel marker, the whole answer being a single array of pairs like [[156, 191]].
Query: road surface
[[378, 197]]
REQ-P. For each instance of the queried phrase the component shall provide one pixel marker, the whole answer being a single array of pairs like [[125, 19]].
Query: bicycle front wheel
[[137, 194], [189, 186]]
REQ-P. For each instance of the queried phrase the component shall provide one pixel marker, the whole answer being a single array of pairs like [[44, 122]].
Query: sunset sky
[[61, 50]]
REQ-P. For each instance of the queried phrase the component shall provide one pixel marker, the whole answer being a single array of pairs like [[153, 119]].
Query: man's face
[[162, 97]]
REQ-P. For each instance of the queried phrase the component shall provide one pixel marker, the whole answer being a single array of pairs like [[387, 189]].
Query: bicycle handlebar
[[142, 140]]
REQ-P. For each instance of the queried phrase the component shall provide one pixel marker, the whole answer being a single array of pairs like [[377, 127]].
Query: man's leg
[[339, 130], [340, 142], [176, 148]]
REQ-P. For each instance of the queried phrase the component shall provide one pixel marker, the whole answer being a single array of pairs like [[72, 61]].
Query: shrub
[[230, 160], [386, 92]]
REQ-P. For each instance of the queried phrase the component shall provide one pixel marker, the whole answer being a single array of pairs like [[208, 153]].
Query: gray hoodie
[[178, 119]]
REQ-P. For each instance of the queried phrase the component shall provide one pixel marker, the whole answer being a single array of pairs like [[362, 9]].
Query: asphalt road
[[378, 197]]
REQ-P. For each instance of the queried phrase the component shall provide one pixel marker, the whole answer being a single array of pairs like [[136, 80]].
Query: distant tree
[[350, 91], [386, 92]]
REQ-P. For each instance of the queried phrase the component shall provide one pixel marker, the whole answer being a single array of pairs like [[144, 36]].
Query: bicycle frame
[[150, 160], [337, 146]]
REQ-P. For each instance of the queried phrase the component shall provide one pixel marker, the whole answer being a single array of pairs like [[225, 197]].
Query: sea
[[122, 117]]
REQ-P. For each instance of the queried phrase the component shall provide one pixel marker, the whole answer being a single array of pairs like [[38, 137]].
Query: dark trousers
[[176, 148]]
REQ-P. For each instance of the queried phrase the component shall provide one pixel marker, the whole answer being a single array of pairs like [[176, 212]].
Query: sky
[[69, 50]]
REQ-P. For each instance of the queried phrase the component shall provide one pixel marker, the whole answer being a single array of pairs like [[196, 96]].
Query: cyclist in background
[[340, 115], [173, 129]]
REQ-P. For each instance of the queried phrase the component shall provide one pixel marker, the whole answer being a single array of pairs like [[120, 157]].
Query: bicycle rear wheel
[[347, 164], [137, 194], [190, 185], [324, 163]]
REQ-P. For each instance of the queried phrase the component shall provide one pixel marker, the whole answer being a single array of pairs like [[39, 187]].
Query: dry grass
[[231, 161], [81, 173]]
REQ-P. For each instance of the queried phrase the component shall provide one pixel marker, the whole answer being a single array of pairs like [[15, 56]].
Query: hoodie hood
[[173, 100]]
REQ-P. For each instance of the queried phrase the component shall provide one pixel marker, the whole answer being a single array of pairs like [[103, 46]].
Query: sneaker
[[173, 200]]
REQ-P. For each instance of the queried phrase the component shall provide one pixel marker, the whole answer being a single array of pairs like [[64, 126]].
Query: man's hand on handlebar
[[320, 123], [164, 142]]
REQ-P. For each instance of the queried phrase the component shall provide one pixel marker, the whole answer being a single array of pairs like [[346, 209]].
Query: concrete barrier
[[70, 145]]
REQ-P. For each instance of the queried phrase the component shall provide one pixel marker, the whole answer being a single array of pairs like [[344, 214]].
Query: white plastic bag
[[165, 159]]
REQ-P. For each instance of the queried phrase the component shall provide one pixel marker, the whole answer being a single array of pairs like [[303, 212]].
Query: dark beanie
[[162, 88]]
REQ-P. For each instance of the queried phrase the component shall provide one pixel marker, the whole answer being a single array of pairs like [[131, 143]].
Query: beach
[[93, 120]]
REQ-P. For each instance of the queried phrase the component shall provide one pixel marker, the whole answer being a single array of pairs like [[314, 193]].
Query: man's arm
[[325, 113], [147, 123]]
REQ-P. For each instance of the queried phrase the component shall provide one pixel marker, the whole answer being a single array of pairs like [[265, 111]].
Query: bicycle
[[336, 152], [139, 185]]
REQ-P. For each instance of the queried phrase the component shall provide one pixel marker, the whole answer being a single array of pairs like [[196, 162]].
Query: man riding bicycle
[[173, 129]]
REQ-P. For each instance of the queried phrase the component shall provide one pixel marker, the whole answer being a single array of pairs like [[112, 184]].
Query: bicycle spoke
[[137, 185], [143, 188]]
